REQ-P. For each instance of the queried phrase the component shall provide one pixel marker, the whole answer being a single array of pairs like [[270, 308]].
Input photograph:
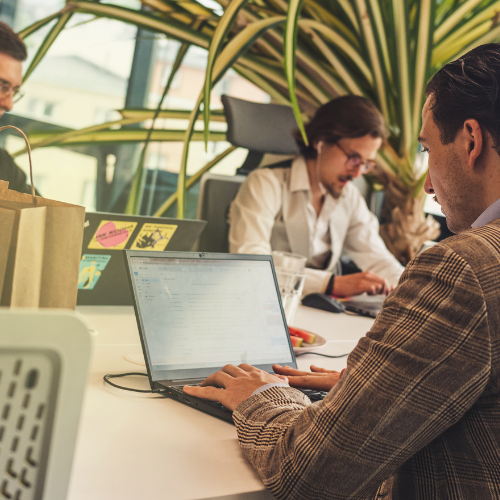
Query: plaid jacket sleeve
[[405, 384]]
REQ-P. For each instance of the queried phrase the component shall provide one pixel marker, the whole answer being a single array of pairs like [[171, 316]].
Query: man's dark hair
[[348, 116], [11, 43], [468, 88]]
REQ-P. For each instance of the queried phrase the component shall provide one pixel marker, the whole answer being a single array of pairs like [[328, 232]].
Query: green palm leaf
[[289, 49], [303, 53], [141, 19], [128, 135], [219, 37], [49, 40], [38, 25], [193, 180], [135, 197]]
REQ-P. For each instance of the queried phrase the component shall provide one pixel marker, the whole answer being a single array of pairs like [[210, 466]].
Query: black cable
[[319, 354], [108, 376]]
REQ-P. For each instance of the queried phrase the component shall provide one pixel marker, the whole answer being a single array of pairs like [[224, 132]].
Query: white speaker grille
[[27, 399]]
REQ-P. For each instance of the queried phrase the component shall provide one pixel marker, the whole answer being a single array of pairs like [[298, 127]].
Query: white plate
[[320, 341]]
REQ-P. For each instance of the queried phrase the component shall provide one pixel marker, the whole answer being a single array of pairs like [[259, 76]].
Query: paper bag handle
[[29, 157]]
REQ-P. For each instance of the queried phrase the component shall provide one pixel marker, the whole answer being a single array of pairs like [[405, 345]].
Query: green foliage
[[304, 53]]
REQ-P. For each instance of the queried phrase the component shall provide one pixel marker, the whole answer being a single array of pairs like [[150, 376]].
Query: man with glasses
[[12, 54], [310, 207]]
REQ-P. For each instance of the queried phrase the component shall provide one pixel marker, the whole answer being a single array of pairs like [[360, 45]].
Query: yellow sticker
[[112, 235], [154, 237]]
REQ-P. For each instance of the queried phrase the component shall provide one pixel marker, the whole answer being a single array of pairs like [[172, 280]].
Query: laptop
[[197, 312], [102, 278]]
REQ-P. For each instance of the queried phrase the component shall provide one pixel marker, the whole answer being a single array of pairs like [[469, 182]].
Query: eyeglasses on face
[[354, 161], [6, 90]]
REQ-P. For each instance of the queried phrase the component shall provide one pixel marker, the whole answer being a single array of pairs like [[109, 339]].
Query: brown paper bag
[[40, 249]]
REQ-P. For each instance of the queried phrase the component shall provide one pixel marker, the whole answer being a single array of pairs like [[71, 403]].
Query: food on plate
[[296, 341], [308, 337]]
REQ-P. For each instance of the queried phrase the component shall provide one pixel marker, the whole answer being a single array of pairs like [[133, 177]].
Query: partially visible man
[[310, 207], [416, 414], [12, 54]]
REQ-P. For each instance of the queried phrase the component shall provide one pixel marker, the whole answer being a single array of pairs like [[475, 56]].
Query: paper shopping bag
[[40, 250]]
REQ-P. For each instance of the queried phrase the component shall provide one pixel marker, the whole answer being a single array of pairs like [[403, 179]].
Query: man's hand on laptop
[[358, 283], [233, 384], [319, 379]]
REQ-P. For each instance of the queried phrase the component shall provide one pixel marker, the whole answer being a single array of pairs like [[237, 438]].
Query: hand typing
[[358, 283], [233, 384], [319, 379]]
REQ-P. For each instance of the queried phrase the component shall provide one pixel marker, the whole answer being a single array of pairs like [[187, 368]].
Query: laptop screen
[[199, 314]]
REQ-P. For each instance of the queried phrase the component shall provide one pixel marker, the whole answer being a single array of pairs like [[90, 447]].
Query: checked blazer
[[417, 413]]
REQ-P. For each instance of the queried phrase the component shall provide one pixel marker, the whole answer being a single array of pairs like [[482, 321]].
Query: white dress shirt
[[273, 211]]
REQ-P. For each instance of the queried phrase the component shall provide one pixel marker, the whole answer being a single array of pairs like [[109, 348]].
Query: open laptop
[[102, 278], [197, 312]]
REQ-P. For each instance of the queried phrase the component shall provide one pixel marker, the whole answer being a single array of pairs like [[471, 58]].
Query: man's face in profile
[[334, 165], [11, 77], [447, 177]]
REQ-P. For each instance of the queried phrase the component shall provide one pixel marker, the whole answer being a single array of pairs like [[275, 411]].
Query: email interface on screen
[[208, 313]]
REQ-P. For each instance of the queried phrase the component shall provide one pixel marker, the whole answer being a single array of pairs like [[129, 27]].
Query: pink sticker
[[109, 236], [112, 234]]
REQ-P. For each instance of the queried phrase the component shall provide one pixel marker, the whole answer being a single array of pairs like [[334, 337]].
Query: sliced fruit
[[296, 341], [309, 338]]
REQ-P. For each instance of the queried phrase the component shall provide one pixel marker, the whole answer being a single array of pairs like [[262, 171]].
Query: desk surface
[[133, 446]]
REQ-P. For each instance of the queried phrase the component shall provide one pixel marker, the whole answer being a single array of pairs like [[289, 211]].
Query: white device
[[44, 360]]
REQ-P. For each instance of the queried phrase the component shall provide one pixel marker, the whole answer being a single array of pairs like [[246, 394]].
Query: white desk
[[135, 446]]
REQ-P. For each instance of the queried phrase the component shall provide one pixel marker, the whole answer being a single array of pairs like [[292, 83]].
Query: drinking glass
[[291, 285], [291, 262]]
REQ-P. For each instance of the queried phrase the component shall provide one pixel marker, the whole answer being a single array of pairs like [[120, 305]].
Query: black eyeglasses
[[354, 161], [6, 89]]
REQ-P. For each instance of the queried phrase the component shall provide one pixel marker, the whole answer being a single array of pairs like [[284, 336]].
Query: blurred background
[[90, 72]]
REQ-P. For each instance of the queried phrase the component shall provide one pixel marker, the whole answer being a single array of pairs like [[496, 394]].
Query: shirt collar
[[491, 213], [299, 179]]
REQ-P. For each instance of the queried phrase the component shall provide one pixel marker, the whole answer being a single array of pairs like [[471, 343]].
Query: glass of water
[[291, 262], [291, 285]]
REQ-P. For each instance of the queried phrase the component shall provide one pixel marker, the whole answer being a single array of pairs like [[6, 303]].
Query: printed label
[[91, 268], [112, 235], [154, 237]]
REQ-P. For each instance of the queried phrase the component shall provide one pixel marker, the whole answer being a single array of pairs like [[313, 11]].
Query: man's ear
[[474, 141]]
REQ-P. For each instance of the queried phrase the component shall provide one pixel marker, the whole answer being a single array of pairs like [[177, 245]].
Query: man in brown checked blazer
[[416, 414]]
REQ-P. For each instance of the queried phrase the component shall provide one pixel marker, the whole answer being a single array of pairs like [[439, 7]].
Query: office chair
[[44, 358], [260, 128]]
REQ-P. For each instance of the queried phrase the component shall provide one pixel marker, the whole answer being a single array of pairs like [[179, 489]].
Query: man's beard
[[331, 191], [459, 211]]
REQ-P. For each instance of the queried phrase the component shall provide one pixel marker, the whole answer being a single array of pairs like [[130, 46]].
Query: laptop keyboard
[[314, 395], [311, 394], [214, 404]]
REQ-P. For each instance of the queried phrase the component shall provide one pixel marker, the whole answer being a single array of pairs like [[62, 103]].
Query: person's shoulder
[[487, 236], [5, 156], [477, 249], [270, 173], [287, 164], [476, 244]]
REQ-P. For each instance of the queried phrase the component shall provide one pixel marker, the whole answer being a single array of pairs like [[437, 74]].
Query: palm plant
[[304, 53]]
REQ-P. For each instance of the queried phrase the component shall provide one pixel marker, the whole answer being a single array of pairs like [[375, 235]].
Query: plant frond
[[289, 50], [47, 43], [193, 180]]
